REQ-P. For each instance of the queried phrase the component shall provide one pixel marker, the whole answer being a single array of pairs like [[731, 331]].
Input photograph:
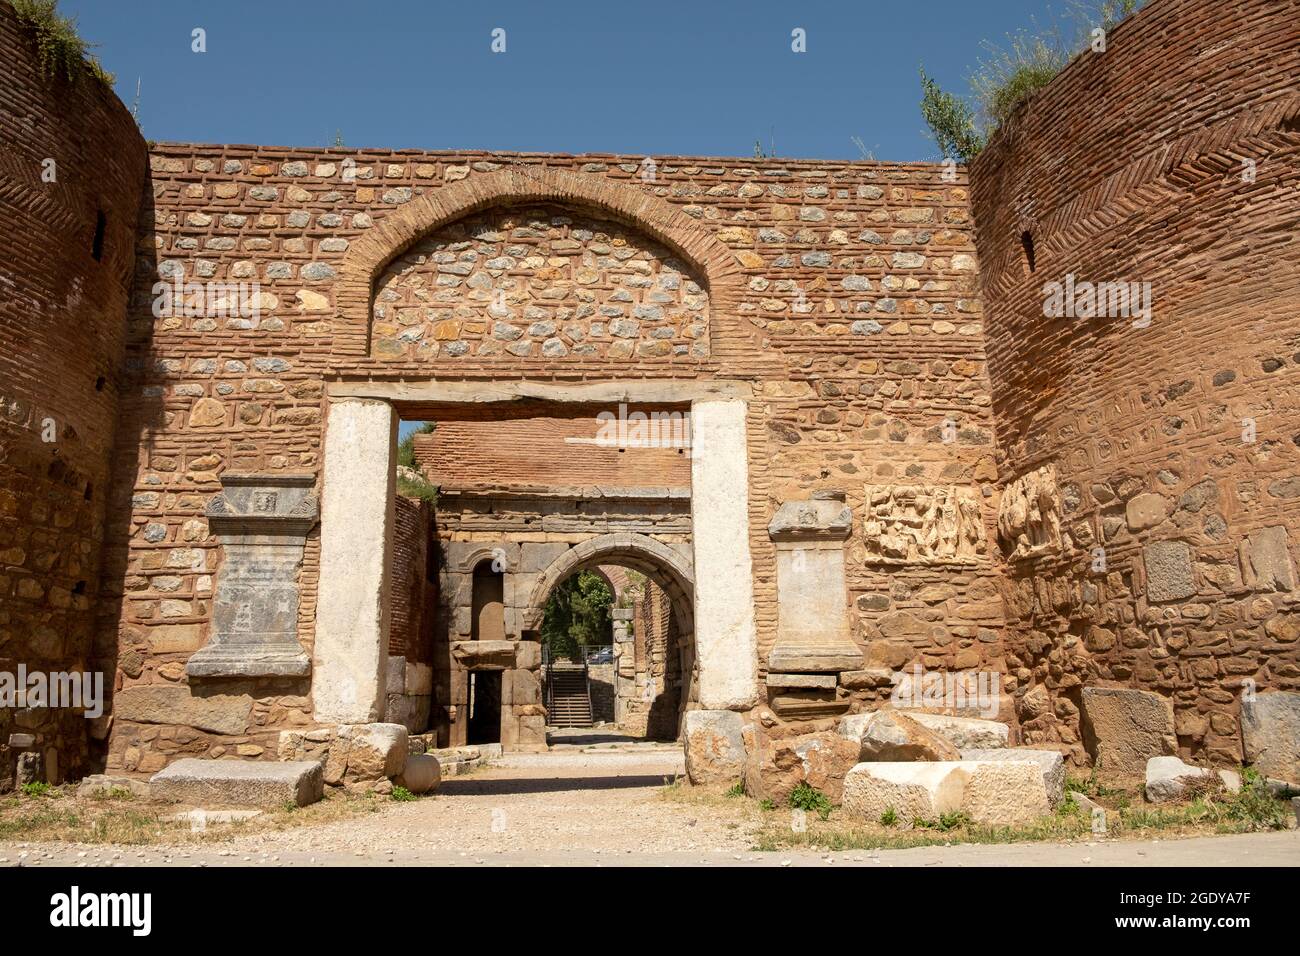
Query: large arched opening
[[640, 683]]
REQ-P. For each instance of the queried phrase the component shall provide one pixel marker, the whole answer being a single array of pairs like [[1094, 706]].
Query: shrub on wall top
[[59, 47]]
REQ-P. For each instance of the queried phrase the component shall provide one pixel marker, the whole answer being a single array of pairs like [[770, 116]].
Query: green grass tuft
[[807, 797]]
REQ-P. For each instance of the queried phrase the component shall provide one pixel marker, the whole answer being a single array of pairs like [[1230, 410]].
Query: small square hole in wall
[[1027, 244], [97, 245]]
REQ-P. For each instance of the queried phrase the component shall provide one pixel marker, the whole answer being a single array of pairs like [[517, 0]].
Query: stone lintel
[[808, 704], [801, 681], [459, 393], [484, 655], [800, 658]]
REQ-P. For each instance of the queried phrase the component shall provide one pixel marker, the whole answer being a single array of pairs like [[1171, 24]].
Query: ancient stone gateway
[[357, 519], [898, 459]]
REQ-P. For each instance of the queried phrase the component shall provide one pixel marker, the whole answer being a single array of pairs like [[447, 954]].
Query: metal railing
[[585, 654], [583, 657]]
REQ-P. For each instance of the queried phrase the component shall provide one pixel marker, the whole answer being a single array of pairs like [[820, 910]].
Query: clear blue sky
[[706, 77], [671, 77]]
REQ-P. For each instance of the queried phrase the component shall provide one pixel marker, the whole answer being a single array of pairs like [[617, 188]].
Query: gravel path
[[606, 809]]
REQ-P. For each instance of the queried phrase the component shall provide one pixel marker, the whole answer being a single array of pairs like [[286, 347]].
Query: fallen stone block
[[1168, 778], [913, 790], [1087, 804], [890, 736], [1006, 792], [774, 767], [365, 753], [1049, 762], [1270, 734], [239, 783], [714, 746], [99, 784], [422, 774], [1281, 789], [964, 732], [1231, 780], [304, 744], [453, 761], [1124, 728]]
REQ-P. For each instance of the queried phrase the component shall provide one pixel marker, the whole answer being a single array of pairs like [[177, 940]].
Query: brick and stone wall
[[72, 166], [847, 294], [1172, 448], [1127, 494]]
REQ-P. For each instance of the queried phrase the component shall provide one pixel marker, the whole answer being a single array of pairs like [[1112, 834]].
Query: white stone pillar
[[357, 515], [726, 640]]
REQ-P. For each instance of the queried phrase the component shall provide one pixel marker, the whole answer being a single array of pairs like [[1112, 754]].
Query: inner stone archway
[[648, 697], [670, 566]]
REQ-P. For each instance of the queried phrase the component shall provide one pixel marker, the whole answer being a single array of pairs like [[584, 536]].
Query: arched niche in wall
[[487, 621]]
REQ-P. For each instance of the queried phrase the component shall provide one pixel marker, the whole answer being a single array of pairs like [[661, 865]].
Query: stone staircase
[[569, 699]]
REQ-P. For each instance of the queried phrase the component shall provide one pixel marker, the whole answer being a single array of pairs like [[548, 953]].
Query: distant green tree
[[577, 614], [412, 483]]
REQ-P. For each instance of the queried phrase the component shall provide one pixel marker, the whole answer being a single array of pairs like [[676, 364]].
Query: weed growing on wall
[[410, 480], [951, 121], [1011, 73], [59, 47]]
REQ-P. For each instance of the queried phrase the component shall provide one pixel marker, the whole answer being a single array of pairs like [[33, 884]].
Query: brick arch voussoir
[[368, 255]]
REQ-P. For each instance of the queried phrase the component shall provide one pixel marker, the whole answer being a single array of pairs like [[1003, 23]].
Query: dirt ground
[[585, 807]]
